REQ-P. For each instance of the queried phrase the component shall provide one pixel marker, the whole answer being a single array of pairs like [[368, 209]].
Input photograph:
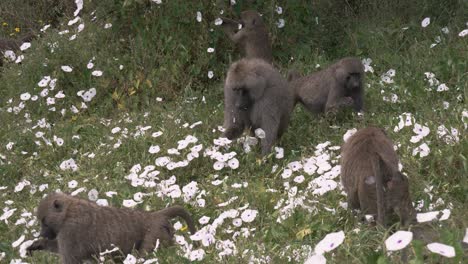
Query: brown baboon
[[252, 37], [78, 229], [341, 84], [370, 176], [256, 96]]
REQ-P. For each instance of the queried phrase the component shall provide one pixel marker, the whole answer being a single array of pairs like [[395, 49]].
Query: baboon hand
[[36, 245]]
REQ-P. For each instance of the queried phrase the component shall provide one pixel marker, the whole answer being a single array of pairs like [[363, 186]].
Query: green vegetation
[[159, 51]]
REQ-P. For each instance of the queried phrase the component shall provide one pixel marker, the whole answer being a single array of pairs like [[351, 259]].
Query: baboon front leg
[[358, 103], [229, 26], [149, 243], [337, 99], [43, 244], [270, 126]]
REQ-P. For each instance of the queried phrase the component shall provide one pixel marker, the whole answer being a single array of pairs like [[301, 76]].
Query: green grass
[[163, 52]]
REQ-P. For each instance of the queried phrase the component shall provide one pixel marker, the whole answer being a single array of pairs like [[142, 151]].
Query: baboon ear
[[58, 205]]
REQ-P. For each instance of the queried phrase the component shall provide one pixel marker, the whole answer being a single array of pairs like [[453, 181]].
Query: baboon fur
[[252, 38], [370, 176], [78, 229], [341, 84], [256, 96]]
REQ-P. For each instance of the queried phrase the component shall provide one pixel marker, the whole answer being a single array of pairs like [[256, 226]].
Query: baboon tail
[[377, 167], [178, 210]]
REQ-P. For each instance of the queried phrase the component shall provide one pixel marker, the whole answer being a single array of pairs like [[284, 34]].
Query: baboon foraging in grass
[[252, 38], [341, 84], [370, 176], [256, 96], [78, 229]]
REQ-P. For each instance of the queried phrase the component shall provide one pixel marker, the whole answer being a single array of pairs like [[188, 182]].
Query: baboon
[[256, 96], [341, 84], [252, 38], [78, 229], [370, 176]]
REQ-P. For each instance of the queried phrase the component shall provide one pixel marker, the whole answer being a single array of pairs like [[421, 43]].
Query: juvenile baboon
[[252, 38], [370, 176], [256, 96], [78, 229], [341, 84]]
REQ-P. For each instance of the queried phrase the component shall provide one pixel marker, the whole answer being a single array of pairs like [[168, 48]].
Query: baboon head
[[398, 198], [247, 84], [52, 213], [242, 100], [349, 74], [251, 19]]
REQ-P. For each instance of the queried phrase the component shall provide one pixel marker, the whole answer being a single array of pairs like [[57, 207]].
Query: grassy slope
[[166, 57]]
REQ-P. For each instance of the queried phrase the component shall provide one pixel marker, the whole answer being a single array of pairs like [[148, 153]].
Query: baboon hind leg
[[353, 200]]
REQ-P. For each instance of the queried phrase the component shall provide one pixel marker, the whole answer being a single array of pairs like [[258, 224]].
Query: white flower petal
[[316, 259], [442, 249], [426, 21], [349, 133], [398, 240], [67, 68], [463, 33], [426, 217], [129, 203], [18, 241], [249, 215], [260, 133], [329, 242], [465, 239], [25, 46]]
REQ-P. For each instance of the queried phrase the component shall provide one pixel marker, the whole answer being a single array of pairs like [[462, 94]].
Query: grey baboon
[[252, 38], [341, 84], [370, 176], [78, 229], [256, 96]]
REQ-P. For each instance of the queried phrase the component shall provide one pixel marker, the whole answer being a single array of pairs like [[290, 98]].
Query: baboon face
[[242, 99], [52, 215], [250, 19], [353, 81]]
